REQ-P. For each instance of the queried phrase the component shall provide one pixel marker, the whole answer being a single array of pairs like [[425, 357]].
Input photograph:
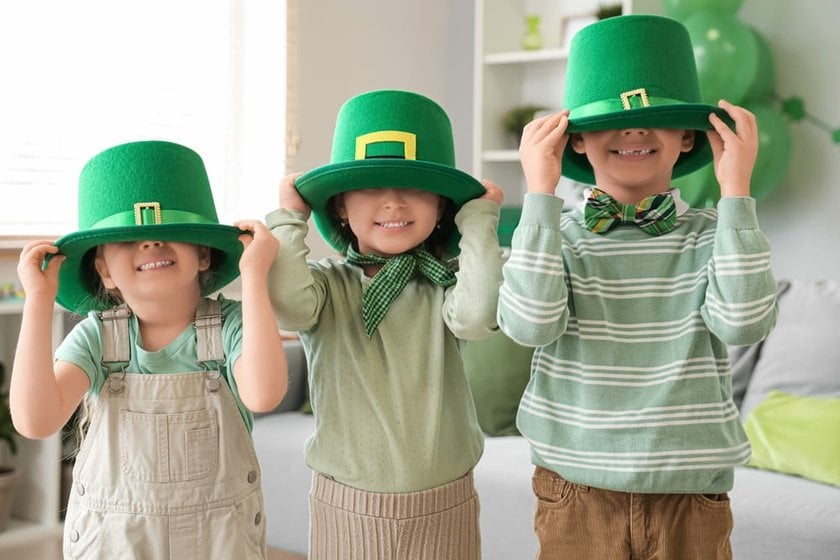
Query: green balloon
[[698, 187], [726, 54], [680, 9], [774, 149], [765, 76]]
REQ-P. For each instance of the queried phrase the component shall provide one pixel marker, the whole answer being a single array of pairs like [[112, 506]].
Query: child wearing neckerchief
[[169, 377], [631, 299], [396, 435]]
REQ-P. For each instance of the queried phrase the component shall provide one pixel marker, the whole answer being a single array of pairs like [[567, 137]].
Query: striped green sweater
[[630, 387]]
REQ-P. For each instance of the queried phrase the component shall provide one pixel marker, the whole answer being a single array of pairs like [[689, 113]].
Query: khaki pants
[[436, 524], [579, 522]]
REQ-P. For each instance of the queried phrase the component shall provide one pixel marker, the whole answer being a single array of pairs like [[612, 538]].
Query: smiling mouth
[[155, 265], [393, 225], [634, 152]]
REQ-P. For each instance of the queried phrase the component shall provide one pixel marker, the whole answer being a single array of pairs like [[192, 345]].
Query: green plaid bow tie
[[392, 278], [655, 214]]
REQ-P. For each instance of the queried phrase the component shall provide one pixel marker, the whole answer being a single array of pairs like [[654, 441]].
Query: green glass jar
[[532, 39]]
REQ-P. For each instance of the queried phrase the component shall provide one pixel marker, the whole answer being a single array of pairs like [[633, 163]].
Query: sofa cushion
[[279, 441], [743, 360], [801, 356], [796, 435], [498, 370]]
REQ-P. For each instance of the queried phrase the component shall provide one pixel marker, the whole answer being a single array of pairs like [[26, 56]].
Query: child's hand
[[260, 247], [541, 151], [735, 151], [34, 280], [493, 192], [290, 198]]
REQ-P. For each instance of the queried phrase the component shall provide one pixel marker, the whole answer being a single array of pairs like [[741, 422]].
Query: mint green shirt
[[630, 386], [83, 347], [394, 412]]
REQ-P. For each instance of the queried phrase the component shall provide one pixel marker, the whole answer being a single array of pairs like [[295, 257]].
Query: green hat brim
[[691, 116], [78, 280], [321, 184]]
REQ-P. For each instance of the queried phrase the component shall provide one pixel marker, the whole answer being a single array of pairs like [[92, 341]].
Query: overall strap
[[116, 345], [208, 332]]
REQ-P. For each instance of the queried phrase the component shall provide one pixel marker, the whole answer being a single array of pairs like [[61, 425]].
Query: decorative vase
[[532, 39]]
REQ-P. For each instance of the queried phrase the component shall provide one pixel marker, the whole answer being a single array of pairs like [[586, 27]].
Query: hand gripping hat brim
[[150, 190], [387, 139], [635, 71]]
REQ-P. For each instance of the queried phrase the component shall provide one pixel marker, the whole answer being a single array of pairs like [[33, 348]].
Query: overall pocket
[[237, 530], [83, 534], [552, 490], [168, 447]]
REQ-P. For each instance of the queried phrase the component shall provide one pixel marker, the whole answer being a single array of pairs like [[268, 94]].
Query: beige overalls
[[167, 469]]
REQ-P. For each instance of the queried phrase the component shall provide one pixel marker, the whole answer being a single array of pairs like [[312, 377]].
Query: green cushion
[[796, 435], [498, 370], [508, 220]]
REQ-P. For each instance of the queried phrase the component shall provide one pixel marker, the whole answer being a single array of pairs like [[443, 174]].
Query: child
[[396, 435], [167, 468], [631, 299]]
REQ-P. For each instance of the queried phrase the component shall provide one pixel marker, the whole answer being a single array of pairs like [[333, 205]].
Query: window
[[79, 77]]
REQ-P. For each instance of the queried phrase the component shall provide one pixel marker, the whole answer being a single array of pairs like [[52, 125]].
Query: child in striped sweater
[[631, 299]]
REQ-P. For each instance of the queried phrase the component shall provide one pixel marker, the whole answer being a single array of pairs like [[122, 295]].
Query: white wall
[[352, 46], [355, 45], [802, 216]]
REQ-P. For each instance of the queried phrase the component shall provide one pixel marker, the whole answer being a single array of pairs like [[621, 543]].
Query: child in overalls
[[631, 299], [167, 469], [396, 435]]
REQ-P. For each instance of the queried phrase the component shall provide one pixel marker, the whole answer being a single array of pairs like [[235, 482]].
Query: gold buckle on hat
[[408, 140], [141, 213], [641, 93]]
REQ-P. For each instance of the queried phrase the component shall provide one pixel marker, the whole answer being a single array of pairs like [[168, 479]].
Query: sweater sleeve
[[740, 306], [470, 306], [533, 300], [297, 293]]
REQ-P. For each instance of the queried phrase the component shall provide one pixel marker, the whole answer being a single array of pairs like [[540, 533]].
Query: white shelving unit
[[34, 531], [505, 76]]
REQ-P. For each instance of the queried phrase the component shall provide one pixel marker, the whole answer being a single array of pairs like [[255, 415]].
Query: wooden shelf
[[501, 156], [507, 77], [524, 57], [11, 307], [35, 529]]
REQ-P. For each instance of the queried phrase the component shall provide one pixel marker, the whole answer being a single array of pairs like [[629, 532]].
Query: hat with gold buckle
[[150, 190], [635, 71], [387, 139]]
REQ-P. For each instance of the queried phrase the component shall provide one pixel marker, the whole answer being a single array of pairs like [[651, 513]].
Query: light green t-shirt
[[83, 347]]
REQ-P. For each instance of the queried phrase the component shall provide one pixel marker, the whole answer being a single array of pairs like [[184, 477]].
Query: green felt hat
[[149, 190], [388, 139], [635, 71]]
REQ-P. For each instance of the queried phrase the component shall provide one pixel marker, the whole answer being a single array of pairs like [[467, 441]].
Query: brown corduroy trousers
[[575, 522]]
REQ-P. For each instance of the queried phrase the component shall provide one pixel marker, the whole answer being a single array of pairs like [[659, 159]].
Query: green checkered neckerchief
[[656, 214], [395, 273]]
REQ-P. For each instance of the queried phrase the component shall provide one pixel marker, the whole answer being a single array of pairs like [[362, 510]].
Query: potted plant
[[8, 474], [608, 10], [515, 119]]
